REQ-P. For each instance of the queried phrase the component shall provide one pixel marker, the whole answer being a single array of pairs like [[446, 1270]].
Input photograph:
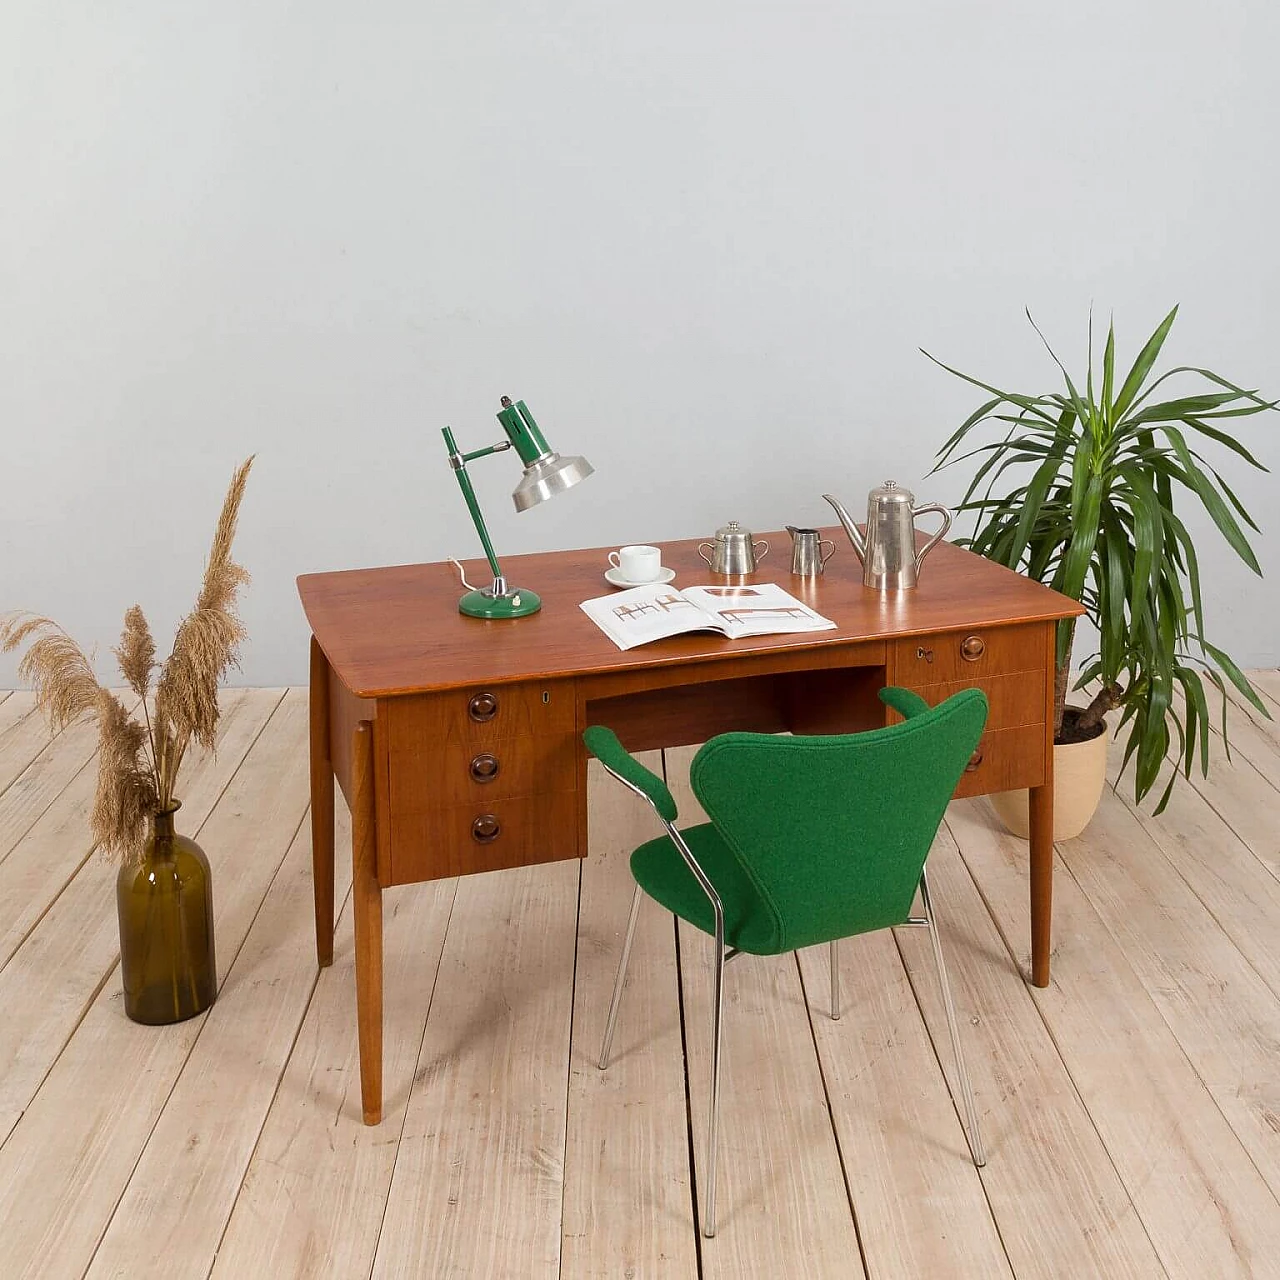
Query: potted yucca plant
[[1080, 490], [164, 893]]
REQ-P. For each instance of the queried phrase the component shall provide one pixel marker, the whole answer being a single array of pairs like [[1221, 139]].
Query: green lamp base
[[515, 602]]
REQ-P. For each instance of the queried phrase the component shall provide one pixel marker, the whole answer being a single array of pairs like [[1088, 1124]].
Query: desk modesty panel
[[458, 741]]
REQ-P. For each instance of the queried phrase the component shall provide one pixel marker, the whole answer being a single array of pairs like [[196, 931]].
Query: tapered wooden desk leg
[[321, 805], [366, 901], [1041, 881]]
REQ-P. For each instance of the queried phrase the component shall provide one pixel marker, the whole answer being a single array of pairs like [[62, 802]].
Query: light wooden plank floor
[[1131, 1110]]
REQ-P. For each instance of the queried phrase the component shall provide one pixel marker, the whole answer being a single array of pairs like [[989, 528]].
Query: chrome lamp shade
[[546, 473], [545, 477]]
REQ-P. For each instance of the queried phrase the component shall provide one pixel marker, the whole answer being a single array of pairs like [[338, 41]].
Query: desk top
[[398, 630]]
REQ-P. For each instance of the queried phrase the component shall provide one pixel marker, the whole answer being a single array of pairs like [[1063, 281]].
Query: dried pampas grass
[[138, 763], [137, 652], [55, 665], [126, 795], [207, 644]]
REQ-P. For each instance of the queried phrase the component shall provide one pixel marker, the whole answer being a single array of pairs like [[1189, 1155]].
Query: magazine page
[[641, 614], [761, 609]]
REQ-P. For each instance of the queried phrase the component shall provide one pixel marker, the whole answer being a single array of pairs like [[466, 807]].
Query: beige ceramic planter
[[1079, 774]]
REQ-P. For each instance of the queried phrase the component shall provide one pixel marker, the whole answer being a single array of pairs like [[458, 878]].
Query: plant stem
[[188, 963], [1061, 677], [1108, 698], [151, 739], [180, 749], [162, 771]]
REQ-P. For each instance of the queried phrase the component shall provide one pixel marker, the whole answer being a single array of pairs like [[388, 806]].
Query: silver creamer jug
[[807, 558], [890, 561]]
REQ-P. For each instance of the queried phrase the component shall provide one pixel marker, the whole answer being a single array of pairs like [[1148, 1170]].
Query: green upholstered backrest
[[832, 831]]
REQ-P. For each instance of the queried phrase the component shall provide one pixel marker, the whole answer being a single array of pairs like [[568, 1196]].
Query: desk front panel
[[480, 779], [1013, 666], [1005, 760], [464, 839], [968, 655], [823, 690], [1014, 701]]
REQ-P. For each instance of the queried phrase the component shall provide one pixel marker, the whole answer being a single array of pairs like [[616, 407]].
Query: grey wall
[[702, 239]]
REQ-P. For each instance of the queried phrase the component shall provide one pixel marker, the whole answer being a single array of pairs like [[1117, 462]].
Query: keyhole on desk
[[546, 695]]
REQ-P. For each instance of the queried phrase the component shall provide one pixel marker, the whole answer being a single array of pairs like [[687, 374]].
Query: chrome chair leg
[[966, 1090], [713, 1122], [835, 979], [620, 980]]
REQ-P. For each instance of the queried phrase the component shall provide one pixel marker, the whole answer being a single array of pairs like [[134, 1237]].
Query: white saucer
[[615, 579]]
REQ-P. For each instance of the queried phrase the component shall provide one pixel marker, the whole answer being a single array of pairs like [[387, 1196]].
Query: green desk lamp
[[546, 473]]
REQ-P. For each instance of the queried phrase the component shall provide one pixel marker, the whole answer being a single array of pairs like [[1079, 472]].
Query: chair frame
[[723, 955]]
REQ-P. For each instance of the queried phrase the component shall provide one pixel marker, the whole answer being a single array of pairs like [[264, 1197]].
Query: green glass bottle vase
[[166, 928]]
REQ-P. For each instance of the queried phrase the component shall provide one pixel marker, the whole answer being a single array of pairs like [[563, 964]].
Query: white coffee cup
[[637, 564]]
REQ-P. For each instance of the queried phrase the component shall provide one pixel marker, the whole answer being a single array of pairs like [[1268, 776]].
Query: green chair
[[811, 839]]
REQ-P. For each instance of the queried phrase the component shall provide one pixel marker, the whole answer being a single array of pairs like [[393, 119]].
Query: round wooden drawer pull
[[974, 761], [972, 648], [484, 767], [482, 707], [486, 829]]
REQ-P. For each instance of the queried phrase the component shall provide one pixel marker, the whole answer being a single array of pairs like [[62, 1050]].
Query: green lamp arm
[[458, 462]]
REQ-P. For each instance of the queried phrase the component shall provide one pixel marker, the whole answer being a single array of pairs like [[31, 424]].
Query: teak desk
[[458, 742]]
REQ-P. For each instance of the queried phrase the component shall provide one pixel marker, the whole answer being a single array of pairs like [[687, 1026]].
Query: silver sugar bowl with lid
[[733, 551]]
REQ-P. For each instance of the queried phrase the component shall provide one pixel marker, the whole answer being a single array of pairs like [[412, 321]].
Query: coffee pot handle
[[937, 537], [760, 555], [703, 554]]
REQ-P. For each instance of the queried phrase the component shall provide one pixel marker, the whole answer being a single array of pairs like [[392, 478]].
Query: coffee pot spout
[[859, 543]]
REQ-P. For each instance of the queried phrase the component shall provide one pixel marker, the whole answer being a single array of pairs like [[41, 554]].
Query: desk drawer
[[968, 655], [1005, 760], [467, 838], [421, 725], [1014, 700], [486, 772]]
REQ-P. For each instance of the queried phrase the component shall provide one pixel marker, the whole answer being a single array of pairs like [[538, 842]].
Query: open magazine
[[641, 614]]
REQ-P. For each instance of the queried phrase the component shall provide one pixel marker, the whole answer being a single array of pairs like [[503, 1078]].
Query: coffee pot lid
[[892, 491]]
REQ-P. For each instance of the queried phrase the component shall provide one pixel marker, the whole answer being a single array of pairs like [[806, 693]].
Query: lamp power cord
[[462, 574]]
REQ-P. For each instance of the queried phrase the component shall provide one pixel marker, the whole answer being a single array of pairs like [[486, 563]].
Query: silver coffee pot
[[733, 551], [890, 561]]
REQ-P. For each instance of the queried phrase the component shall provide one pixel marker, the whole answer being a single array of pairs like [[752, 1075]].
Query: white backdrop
[[702, 239]]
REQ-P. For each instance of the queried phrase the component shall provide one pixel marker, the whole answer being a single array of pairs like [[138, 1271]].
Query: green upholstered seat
[[810, 838], [660, 870]]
